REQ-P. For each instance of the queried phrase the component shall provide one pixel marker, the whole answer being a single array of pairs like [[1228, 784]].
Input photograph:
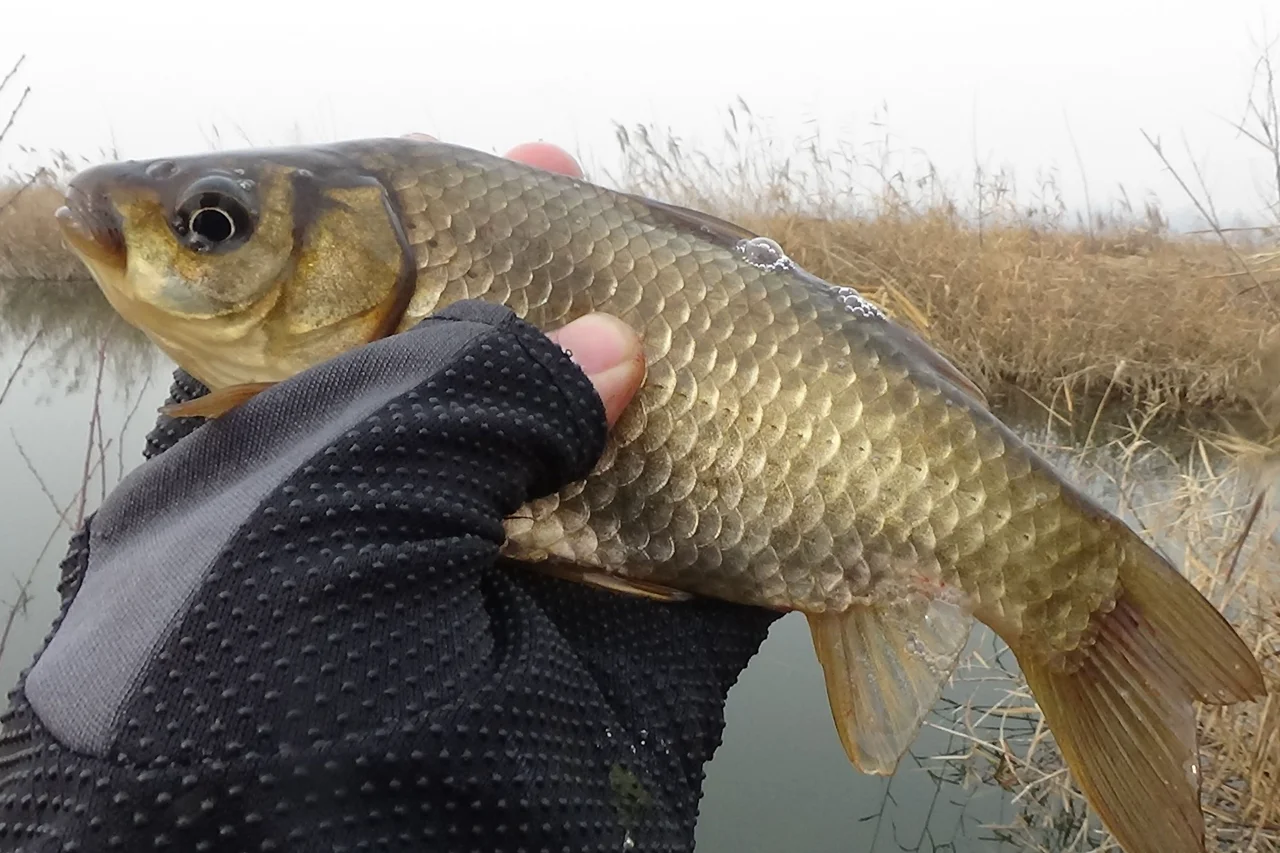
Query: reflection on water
[[59, 326], [64, 356], [780, 781]]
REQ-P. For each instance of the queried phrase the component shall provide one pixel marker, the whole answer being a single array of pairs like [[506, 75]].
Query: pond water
[[779, 782]]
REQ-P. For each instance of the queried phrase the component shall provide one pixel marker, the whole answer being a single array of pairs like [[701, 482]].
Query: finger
[[610, 353], [544, 155], [540, 155]]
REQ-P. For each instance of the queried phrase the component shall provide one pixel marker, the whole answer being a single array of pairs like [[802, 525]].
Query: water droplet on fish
[[763, 253], [238, 171], [246, 185], [857, 304]]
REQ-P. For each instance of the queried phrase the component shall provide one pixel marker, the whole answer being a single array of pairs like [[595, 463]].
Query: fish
[[793, 447]]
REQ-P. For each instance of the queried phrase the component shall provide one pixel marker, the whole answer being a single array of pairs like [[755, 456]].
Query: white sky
[[997, 79]]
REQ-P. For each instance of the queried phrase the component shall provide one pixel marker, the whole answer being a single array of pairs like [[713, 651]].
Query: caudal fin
[[1124, 719]]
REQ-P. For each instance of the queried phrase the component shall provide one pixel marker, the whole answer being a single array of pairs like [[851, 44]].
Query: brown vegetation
[[1016, 292], [30, 245]]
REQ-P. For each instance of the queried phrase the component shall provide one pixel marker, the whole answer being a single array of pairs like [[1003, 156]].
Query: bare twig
[[1212, 221], [1266, 112], [13, 114], [26, 185], [19, 607], [8, 78], [95, 423], [142, 393], [1238, 547], [44, 487], [17, 368]]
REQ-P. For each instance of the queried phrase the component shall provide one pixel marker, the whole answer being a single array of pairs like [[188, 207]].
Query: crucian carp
[[792, 448]]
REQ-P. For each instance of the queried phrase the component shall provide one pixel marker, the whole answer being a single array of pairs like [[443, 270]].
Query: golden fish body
[[792, 448]]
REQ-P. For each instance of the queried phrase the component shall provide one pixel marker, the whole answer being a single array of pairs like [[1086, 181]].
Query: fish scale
[[791, 447], [654, 282]]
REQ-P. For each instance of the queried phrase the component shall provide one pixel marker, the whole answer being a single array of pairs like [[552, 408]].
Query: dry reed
[[1016, 292], [31, 247]]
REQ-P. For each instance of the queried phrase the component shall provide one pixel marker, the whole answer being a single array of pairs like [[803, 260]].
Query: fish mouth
[[91, 227]]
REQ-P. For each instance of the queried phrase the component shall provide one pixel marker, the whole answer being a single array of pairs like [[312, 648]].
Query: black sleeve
[[290, 630]]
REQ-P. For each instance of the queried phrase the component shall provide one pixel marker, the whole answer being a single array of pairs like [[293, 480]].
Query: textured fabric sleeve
[[290, 630]]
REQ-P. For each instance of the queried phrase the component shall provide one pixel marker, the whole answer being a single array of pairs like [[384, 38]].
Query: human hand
[[293, 627]]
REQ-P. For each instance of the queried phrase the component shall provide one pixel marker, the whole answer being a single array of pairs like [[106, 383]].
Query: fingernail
[[598, 342]]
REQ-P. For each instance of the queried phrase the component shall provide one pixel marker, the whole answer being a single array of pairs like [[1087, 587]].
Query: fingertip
[[544, 155], [612, 356], [618, 385]]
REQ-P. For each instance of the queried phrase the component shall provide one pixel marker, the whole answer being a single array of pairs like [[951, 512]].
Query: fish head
[[197, 239], [230, 261]]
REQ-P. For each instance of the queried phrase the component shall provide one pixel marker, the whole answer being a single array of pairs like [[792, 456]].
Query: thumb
[[610, 353]]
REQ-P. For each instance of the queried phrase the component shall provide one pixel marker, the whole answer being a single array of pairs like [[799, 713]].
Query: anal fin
[[885, 667], [602, 580], [216, 403]]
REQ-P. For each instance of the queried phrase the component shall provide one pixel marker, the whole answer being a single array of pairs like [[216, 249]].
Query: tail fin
[[1124, 720]]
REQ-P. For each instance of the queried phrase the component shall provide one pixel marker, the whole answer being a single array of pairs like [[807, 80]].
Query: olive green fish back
[[784, 452]]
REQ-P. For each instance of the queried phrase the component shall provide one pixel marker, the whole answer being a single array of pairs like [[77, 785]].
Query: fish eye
[[214, 214]]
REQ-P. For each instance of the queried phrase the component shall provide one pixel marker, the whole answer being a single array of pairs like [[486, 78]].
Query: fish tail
[[1123, 716]]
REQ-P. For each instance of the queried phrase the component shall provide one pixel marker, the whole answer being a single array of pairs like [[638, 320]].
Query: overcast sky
[[1010, 82]]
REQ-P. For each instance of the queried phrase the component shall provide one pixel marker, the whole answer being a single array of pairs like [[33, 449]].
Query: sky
[[1065, 86]]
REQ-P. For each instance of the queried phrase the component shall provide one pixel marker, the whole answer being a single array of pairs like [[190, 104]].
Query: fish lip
[[91, 226]]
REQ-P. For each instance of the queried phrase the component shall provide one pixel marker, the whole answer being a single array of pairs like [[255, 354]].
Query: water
[[779, 782]]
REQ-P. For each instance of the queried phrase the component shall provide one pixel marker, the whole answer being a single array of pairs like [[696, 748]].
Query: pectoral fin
[[216, 403], [885, 667], [613, 583]]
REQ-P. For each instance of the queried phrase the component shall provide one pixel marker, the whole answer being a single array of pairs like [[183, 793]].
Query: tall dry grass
[[31, 247], [1010, 286]]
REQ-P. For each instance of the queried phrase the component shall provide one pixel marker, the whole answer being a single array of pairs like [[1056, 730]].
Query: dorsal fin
[[909, 343], [719, 231], [943, 366]]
